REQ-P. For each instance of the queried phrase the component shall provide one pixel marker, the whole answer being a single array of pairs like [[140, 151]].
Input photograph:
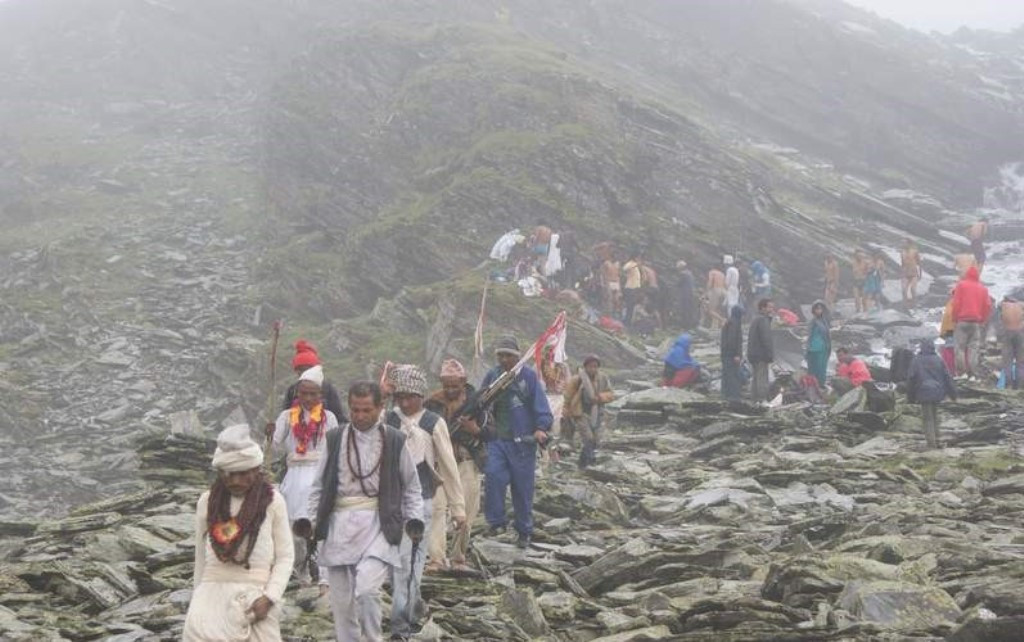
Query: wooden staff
[[271, 393]]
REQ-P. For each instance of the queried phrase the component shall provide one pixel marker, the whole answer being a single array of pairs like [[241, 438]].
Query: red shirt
[[856, 371], [970, 299]]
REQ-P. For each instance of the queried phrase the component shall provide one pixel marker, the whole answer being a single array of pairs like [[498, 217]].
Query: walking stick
[[414, 530], [270, 393]]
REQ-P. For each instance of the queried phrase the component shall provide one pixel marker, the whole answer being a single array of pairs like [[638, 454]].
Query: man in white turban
[[243, 553]]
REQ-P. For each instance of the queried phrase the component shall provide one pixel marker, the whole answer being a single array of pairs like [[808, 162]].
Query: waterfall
[[1008, 195]]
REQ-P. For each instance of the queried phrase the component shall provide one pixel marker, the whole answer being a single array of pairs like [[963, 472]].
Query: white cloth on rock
[[553, 264], [503, 246], [732, 288]]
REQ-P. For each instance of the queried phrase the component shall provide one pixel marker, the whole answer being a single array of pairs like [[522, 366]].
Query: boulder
[[646, 634], [71, 525], [800, 582], [898, 605], [558, 606], [615, 567], [999, 629], [522, 607], [1012, 484], [581, 501], [657, 399], [852, 401]]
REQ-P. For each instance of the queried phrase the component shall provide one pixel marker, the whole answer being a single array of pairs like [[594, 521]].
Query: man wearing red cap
[[307, 357]]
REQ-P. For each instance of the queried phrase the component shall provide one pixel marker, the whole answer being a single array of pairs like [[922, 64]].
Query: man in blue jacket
[[929, 383], [522, 420]]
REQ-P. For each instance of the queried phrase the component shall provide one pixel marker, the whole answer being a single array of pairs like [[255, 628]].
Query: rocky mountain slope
[[175, 175]]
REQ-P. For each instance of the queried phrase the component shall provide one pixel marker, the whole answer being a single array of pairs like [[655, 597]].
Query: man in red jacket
[[850, 369], [971, 309]]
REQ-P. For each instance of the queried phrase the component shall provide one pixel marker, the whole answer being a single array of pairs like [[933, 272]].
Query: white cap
[[236, 451], [314, 374]]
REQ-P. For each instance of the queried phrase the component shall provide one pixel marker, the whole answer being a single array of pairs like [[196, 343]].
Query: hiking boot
[[523, 541], [495, 531]]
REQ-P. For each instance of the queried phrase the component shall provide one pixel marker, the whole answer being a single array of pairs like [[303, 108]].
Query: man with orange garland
[[300, 436]]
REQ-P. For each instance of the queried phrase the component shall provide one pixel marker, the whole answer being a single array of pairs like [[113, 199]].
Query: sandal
[[433, 567]]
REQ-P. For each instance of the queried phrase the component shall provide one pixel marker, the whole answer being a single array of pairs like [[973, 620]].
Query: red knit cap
[[305, 355]]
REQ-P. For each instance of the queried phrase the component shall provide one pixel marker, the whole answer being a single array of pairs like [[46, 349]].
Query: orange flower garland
[[304, 432], [226, 532]]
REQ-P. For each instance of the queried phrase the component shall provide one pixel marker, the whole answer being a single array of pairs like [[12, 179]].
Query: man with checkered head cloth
[[431, 447]]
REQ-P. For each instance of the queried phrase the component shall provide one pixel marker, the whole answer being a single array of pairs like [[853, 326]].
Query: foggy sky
[[948, 15]]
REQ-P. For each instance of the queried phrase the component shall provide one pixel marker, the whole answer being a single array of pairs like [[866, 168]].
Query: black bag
[[879, 399], [899, 367]]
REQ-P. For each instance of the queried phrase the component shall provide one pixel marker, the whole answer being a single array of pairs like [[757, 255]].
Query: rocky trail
[[173, 176], [701, 521]]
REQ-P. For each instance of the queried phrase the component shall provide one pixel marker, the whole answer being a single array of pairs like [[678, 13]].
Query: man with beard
[[522, 421], [300, 435], [243, 549], [585, 394], [469, 434]]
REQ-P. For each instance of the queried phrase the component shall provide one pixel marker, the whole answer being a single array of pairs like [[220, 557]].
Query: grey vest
[[423, 470], [390, 489]]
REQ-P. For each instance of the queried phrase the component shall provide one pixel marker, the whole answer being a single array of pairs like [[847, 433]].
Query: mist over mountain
[[174, 175]]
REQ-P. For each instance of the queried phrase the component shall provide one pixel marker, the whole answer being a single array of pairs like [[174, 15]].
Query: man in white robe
[[300, 436], [366, 492], [238, 581]]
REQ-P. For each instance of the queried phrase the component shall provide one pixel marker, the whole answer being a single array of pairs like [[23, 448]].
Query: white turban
[[314, 374], [236, 450]]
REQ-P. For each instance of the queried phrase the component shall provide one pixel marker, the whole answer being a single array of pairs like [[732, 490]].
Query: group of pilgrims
[[371, 492]]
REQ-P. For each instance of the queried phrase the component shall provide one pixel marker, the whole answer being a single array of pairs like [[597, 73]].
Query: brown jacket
[[573, 395]]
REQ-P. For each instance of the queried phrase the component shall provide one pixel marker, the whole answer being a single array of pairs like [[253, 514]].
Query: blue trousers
[[510, 463]]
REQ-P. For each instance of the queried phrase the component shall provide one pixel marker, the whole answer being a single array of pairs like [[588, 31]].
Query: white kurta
[[298, 481], [224, 592], [355, 534]]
